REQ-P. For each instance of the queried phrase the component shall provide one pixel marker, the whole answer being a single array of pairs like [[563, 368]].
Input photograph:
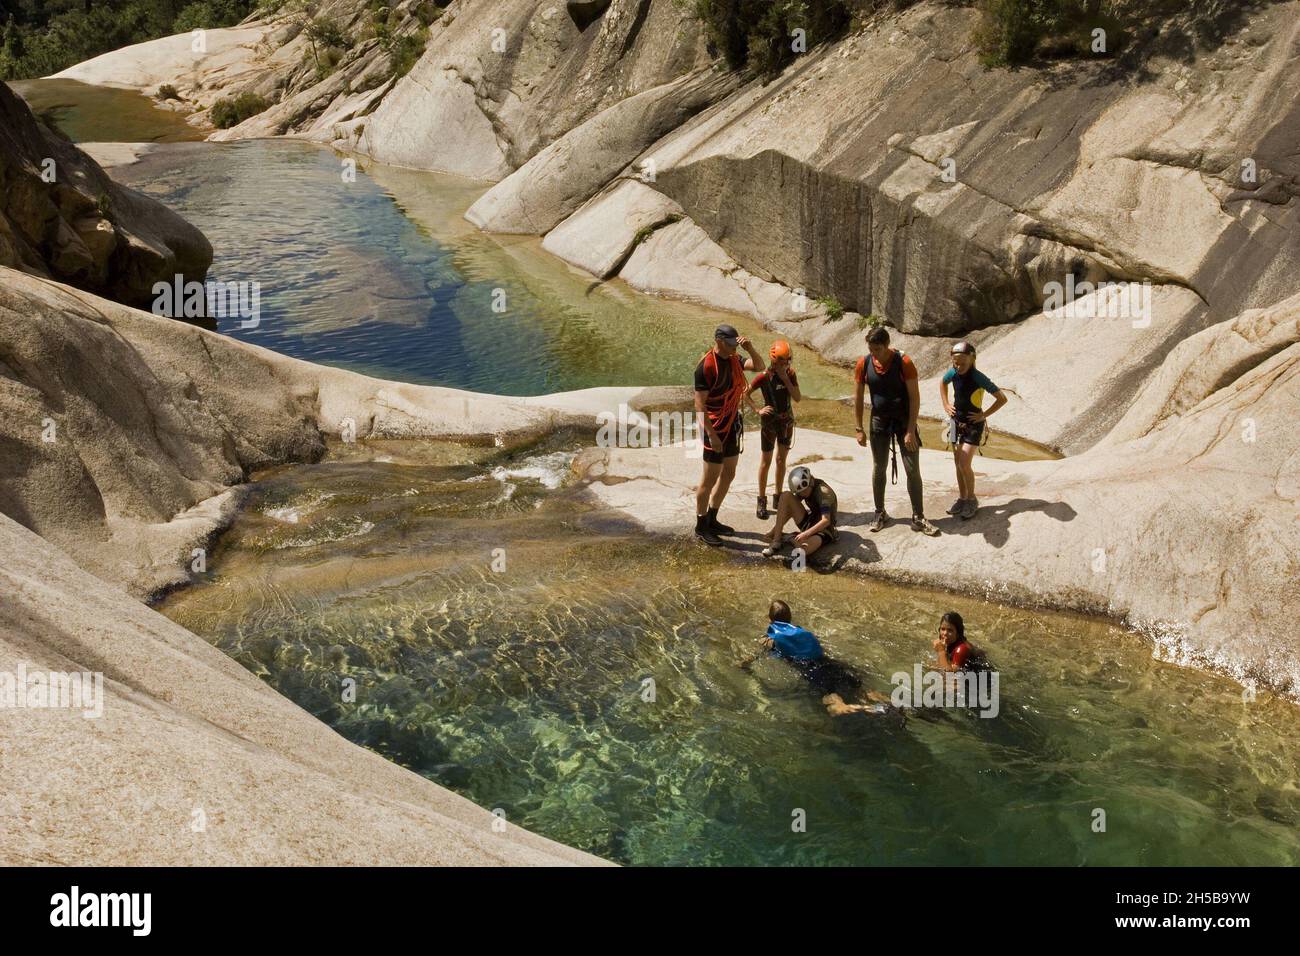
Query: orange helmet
[[780, 349]]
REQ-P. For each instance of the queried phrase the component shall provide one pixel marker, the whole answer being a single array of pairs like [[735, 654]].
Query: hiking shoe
[[972, 506], [920, 524], [708, 537], [958, 507], [705, 533], [716, 526], [882, 519], [761, 511], [773, 549]]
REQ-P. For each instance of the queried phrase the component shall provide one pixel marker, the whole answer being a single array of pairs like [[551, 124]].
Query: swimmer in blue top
[[801, 650], [966, 409]]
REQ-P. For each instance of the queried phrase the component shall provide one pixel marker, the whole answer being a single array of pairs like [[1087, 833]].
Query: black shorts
[[811, 519], [969, 433], [730, 444], [777, 430], [829, 676]]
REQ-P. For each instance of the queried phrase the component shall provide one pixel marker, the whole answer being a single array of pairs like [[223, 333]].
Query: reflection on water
[[102, 114], [500, 635], [382, 275]]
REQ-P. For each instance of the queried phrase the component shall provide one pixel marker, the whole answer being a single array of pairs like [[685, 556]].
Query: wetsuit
[[778, 428], [724, 382], [968, 398], [963, 656], [821, 503], [890, 413], [802, 651]]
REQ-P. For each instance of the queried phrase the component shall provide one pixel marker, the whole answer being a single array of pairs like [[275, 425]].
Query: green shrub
[[207, 14], [758, 34], [196, 16], [428, 12], [834, 310], [228, 112], [14, 47], [327, 61], [1012, 32], [866, 322], [645, 232], [1008, 30], [405, 50], [168, 92], [326, 32]]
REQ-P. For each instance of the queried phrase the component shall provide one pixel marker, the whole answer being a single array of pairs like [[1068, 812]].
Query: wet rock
[[63, 218]]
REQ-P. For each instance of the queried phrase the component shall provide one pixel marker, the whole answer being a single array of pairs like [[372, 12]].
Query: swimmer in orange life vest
[[955, 652]]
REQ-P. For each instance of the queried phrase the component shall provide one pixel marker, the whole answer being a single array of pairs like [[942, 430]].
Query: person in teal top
[[970, 388]]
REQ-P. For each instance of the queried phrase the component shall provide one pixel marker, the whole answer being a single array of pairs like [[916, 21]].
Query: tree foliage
[[46, 36], [765, 35]]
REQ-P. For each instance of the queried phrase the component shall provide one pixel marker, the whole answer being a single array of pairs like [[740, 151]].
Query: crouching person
[[811, 505]]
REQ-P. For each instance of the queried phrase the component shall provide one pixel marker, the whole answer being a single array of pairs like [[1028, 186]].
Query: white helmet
[[801, 479]]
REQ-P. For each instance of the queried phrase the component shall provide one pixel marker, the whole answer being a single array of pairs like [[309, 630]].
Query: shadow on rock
[[994, 521]]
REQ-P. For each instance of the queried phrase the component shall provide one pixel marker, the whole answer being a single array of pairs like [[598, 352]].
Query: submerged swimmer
[[839, 683]]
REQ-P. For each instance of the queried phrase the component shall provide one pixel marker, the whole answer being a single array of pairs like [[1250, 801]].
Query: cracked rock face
[[502, 80], [893, 172], [833, 176], [61, 217]]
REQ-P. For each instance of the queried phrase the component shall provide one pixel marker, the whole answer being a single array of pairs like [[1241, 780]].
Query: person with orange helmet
[[780, 386]]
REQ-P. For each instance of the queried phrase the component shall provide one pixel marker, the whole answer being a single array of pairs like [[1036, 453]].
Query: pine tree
[[13, 42]]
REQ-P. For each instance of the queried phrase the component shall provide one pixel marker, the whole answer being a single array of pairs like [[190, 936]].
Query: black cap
[[726, 332], [962, 348]]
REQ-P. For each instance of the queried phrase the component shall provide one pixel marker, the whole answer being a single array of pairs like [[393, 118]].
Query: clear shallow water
[[383, 276], [522, 689]]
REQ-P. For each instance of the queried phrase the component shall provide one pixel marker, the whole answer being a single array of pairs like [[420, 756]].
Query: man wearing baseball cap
[[720, 387]]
